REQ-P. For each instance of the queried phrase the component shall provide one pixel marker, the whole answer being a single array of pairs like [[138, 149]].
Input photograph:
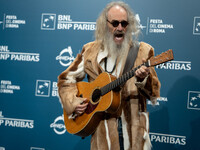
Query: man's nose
[[119, 27]]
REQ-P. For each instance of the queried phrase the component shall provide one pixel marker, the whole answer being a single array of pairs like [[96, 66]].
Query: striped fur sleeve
[[67, 89]]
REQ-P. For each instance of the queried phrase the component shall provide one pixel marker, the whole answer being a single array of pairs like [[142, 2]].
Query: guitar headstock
[[163, 57]]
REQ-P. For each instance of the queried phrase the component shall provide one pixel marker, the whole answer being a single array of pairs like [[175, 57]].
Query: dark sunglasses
[[115, 23]]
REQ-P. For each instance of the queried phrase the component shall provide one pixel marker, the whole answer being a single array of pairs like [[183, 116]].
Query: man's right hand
[[80, 109]]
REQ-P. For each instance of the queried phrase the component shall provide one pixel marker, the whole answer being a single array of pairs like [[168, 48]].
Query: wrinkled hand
[[80, 109], [142, 72]]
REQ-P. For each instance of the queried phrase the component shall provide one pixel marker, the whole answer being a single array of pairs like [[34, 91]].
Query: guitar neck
[[153, 61], [121, 80]]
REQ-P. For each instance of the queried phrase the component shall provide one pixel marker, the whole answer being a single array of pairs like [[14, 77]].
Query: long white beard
[[116, 50]]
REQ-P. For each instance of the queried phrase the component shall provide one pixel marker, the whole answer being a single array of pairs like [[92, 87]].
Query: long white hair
[[101, 24]]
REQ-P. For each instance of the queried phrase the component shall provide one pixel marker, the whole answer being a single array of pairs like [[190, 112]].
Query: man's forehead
[[117, 12]]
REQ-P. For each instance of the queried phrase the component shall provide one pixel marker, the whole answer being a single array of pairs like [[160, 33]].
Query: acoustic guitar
[[103, 97]]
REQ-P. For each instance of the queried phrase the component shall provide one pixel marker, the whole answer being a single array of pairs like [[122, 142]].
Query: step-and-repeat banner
[[39, 39]]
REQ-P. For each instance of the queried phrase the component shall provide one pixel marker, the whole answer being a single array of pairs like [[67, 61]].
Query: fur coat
[[133, 113]]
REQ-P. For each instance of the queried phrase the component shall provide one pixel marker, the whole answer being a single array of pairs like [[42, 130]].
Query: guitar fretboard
[[121, 80]]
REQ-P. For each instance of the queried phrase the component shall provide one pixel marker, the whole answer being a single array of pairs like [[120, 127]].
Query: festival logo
[[65, 57], [12, 21], [48, 21], [58, 125], [43, 88], [193, 100], [196, 26], [137, 17], [7, 87], [156, 25]]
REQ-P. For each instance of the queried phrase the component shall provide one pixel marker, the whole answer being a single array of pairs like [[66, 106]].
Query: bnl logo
[[42, 88], [196, 27], [193, 100], [48, 21]]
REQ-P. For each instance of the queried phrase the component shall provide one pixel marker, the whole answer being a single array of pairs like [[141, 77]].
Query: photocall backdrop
[[39, 39]]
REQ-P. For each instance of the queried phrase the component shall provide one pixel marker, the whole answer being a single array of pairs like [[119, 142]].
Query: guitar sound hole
[[96, 95]]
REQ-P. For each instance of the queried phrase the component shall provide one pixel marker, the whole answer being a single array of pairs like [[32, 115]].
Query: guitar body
[[86, 124]]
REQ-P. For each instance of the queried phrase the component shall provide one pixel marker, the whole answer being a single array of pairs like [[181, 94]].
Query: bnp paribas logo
[[48, 21], [194, 100], [196, 26]]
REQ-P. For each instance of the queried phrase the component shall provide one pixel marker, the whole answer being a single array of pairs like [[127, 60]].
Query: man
[[129, 127]]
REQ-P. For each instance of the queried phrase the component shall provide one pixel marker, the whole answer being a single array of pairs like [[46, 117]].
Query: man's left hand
[[142, 72]]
